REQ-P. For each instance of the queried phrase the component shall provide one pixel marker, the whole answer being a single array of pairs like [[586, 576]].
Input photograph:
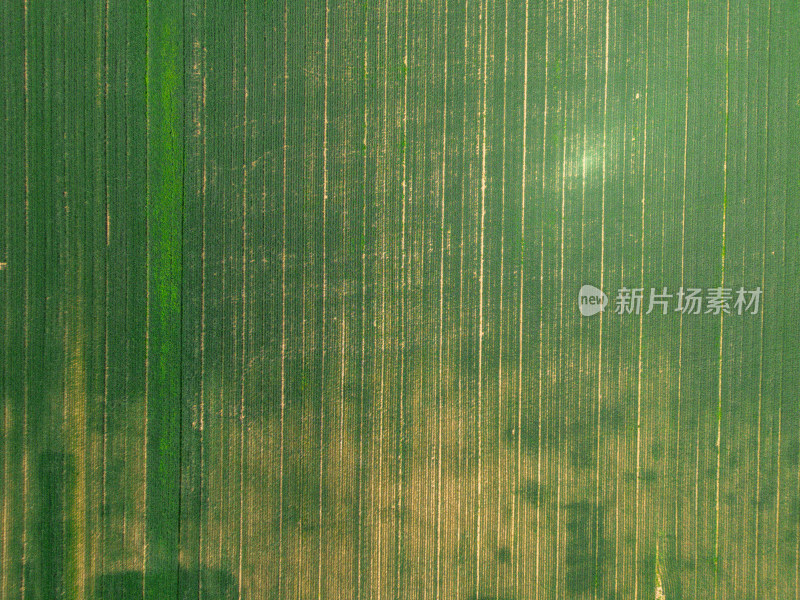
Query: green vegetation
[[216, 385]]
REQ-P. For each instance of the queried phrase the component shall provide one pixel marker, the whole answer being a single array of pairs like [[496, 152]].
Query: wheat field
[[292, 299]]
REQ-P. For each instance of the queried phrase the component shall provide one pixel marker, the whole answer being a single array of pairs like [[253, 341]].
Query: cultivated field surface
[[291, 299]]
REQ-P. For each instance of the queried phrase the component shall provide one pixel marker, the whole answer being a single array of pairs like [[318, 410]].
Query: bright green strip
[[164, 246]]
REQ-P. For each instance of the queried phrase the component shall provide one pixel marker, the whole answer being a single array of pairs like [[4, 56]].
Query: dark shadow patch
[[792, 453], [529, 491], [657, 450], [793, 515], [731, 499], [648, 476], [647, 572], [768, 494], [612, 419], [584, 548], [732, 460], [301, 497], [582, 454], [56, 470], [128, 585], [529, 434], [465, 551]]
